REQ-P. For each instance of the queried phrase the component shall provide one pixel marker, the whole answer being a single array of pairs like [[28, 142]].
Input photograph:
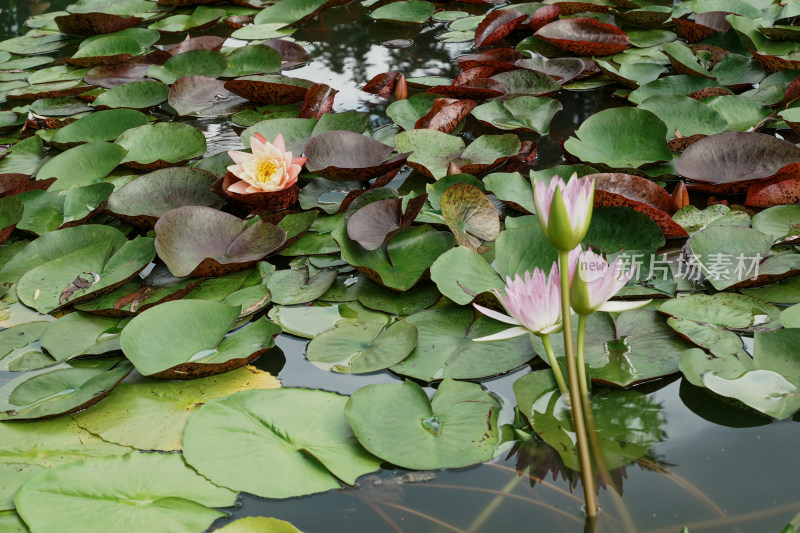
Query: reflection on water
[[717, 468]]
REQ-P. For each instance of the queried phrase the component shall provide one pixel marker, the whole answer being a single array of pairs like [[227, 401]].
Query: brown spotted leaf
[[584, 36], [446, 114], [470, 215], [496, 26]]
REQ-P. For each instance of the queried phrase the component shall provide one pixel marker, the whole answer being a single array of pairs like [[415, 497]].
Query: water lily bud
[[401, 88], [596, 283], [681, 195], [564, 210]]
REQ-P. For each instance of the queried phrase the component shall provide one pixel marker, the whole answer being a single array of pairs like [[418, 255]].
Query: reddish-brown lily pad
[[446, 114], [90, 24], [728, 163], [377, 222], [496, 57], [386, 84], [584, 36], [773, 193], [640, 194], [267, 201], [142, 201], [470, 74], [11, 184], [270, 89], [199, 95], [701, 28], [318, 101], [773, 64], [202, 242], [478, 89], [543, 16], [496, 26], [345, 155]]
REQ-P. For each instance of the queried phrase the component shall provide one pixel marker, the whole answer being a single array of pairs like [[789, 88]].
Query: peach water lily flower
[[597, 282], [269, 168], [533, 303], [564, 210]]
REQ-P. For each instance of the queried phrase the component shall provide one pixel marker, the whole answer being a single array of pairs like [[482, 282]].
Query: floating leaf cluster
[[123, 249]]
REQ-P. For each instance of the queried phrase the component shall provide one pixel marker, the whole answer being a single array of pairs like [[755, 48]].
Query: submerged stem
[[576, 405], [582, 381], [551, 357]]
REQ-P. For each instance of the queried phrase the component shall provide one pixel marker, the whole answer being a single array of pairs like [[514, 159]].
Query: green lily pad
[[201, 18], [62, 388], [621, 137], [83, 165], [252, 59], [400, 263], [680, 84], [732, 255], [512, 188], [259, 524], [187, 338], [33, 43], [790, 317], [13, 476], [445, 347], [632, 75], [409, 12], [208, 63], [780, 221], [470, 215], [139, 95], [19, 350], [64, 106], [526, 82], [138, 492], [24, 157], [398, 423], [78, 334], [99, 126], [719, 341], [405, 113], [376, 297], [163, 408], [308, 321], [362, 348], [276, 443], [614, 229], [289, 12], [53, 442], [51, 271], [297, 286], [693, 219], [431, 150], [295, 131], [523, 248], [633, 347], [460, 274], [161, 144], [684, 115], [725, 310], [47, 211], [57, 73], [526, 113]]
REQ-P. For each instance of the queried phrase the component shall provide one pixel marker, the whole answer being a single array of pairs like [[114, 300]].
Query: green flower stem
[[582, 381], [599, 460], [576, 405], [551, 357]]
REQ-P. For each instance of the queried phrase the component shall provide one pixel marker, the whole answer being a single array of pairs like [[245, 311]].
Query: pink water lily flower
[[533, 303], [597, 282], [564, 210], [269, 168]]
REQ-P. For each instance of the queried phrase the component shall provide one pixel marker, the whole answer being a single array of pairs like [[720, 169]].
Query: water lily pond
[[246, 248]]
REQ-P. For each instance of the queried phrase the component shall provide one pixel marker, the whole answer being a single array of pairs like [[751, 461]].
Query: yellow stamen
[[267, 170]]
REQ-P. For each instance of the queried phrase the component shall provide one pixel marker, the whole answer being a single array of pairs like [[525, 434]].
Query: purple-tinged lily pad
[[205, 42], [730, 162], [345, 155], [584, 36], [201, 241], [203, 96], [142, 201], [377, 222]]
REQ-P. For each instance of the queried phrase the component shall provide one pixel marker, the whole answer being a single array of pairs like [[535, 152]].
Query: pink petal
[[497, 316], [619, 306], [510, 333], [279, 143]]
